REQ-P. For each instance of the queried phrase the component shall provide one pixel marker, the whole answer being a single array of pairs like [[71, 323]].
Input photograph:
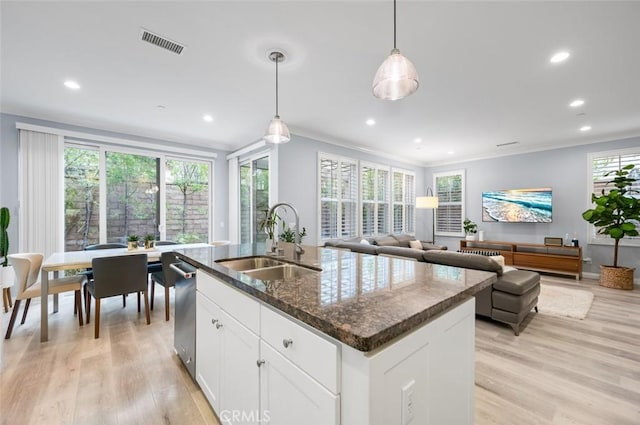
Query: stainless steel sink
[[242, 264], [282, 272]]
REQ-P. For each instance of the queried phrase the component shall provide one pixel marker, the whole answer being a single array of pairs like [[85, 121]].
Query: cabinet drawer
[[238, 304], [312, 353]]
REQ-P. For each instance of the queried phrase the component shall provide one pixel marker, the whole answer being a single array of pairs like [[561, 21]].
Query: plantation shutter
[[338, 197], [450, 211], [374, 182]]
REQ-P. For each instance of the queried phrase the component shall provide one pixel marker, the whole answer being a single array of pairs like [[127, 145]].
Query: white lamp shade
[[396, 78], [424, 202], [277, 132]]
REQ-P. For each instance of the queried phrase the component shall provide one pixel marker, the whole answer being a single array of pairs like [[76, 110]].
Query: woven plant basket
[[616, 277]]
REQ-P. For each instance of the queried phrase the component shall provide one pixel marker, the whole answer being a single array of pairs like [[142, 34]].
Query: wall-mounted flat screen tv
[[517, 206]]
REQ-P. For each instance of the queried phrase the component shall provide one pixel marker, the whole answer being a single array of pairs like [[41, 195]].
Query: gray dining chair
[[119, 275], [157, 266], [166, 277]]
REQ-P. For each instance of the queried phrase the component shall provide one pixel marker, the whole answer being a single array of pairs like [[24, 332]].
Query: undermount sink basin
[[242, 264], [282, 272]]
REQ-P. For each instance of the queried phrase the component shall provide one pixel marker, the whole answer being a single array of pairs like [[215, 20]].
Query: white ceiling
[[484, 69]]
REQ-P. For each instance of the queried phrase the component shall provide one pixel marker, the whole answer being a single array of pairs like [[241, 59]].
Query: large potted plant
[[7, 275], [617, 214]]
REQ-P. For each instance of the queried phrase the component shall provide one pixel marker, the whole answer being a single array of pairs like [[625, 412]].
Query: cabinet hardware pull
[[214, 321], [218, 325], [287, 342], [260, 363]]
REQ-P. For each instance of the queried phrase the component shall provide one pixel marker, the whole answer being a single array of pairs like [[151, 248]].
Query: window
[[133, 194], [338, 180], [404, 197], [254, 198], [601, 163], [450, 190], [374, 183]]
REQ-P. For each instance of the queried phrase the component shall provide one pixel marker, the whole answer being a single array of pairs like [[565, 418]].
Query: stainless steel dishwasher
[[184, 339]]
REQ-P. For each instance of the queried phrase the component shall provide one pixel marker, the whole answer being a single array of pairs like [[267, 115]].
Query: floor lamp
[[429, 202]]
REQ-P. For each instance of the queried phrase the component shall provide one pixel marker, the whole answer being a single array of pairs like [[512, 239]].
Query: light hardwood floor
[[558, 371]]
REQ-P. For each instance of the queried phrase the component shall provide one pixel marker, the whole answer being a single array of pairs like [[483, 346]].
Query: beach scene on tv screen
[[517, 206]]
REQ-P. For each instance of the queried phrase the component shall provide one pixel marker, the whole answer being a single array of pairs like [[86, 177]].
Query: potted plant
[[470, 229], [269, 225], [149, 241], [617, 214], [289, 235], [7, 275], [132, 241]]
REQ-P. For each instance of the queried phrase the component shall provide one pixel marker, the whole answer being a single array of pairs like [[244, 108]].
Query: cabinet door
[[208, 349], [289, 396], [239, 385]]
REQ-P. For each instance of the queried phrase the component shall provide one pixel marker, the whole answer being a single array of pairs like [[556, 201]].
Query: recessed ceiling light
[[576, 103], [417, 140], [585, 128], [559, 57], [72, 85], [207, 118], [370, 122]]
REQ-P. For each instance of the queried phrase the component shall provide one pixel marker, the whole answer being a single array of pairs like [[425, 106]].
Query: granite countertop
[[362, 300]]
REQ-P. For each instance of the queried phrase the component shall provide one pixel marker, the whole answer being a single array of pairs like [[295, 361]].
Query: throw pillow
[[365, 242], [415, 244]]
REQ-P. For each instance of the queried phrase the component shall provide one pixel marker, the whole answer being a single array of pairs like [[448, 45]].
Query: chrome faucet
[[296, 237]]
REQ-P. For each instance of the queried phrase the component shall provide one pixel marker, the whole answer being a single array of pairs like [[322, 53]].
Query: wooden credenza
[[537, 257]]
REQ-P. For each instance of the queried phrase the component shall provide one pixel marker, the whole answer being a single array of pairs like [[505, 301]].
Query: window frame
[[340, 160], [592, 237], [411, 201], [376, 202], [462, 203]]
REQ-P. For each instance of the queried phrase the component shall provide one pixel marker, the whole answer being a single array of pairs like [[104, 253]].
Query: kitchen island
[[358, 339]]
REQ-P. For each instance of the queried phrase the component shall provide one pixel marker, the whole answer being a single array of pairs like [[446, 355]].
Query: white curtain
[[41, 192]]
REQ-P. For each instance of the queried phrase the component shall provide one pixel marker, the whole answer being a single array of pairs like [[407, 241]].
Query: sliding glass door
[[254, 198]]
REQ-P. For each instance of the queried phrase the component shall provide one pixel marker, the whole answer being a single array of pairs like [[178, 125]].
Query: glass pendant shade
[[427, 202], [396, 78], [277, 132]]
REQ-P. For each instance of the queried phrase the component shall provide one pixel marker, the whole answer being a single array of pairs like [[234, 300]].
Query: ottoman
[[513, 296]]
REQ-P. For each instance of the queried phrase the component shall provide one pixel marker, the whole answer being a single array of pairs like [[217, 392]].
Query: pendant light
[[397, 77], [277, 132]]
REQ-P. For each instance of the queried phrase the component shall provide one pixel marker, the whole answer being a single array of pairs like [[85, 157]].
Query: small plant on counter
[[5, 217], [289, 234], [149, 241], [132, 241], [270, 224]]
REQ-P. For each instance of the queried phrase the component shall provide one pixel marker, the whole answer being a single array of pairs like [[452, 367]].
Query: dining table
[[73, 260]]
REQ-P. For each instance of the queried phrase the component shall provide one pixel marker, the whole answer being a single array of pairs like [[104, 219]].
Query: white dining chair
[[27, 268]]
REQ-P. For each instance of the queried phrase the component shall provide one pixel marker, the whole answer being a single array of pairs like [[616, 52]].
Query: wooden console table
[[537, 257]]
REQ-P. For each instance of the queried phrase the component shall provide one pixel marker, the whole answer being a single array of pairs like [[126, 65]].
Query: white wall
[[565, 171]]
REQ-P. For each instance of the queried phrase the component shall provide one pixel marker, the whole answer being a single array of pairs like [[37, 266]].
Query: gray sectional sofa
[[396, 245], [509, 300]]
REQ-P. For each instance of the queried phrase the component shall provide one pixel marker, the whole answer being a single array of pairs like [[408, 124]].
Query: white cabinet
[[290, 396], [227, 371]]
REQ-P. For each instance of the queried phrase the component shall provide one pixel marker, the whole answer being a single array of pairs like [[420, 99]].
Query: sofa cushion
[[404, 239], [401, 251], [513, 303], [359, 247], [458, 259], [517, 282], [427, 246], [415, 244], [386, 241]]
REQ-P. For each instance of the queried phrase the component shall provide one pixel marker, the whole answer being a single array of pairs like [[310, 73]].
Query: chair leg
[[536, 308], [9, 296], [26, 308], [5, 301], [87, 306], [79, 307], [138, 302], [124, 300], [96, 333], [12, 321], [146, 306], [166, 303], [153, 293]]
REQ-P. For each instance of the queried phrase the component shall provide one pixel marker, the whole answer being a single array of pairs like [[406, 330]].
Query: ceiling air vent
[[160, 41]]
